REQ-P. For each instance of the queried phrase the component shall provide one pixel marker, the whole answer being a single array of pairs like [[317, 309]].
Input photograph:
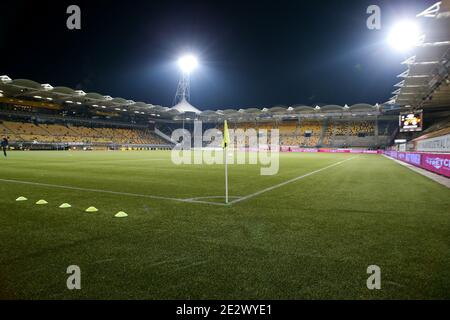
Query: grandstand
[[74, 117], [77, 118], [329, 132], [43, 133]]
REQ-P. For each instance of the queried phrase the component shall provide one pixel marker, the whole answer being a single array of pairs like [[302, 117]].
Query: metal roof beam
[[432, 11], [434, 44]]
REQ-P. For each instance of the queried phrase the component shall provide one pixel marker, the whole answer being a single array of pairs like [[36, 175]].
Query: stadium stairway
[[323, 132], [163, 135]]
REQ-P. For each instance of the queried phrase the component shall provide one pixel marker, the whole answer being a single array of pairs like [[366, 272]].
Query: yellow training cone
[[65, 205], [91, 209], [21, 199], [41, 202], [121, 214]]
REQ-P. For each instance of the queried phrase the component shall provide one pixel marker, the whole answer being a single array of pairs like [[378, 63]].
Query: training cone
[[65, 205], [121, 214], [41, 202], [91, 209], [21, 199]]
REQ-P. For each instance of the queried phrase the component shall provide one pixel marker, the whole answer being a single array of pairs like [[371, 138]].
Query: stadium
[[88, 180]]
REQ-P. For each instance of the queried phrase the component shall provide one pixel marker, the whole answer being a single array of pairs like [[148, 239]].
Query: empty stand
[[57, 133]]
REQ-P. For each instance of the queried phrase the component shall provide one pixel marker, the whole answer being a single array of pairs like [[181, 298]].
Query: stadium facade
[[55, 115]]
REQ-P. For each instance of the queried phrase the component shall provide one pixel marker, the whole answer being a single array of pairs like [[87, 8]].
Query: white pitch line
[[212, 197], [111, 192], [288, 181]]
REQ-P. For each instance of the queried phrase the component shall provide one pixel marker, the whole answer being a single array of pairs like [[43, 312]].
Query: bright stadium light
[[404, 36], [187, 63]]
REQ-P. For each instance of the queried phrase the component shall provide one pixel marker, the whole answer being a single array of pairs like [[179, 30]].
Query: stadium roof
[[67, 97], [28, 89], [426, 83], [284, 112], [183, 106]]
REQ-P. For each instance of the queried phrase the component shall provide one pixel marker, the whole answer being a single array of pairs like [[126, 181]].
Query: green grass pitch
[[312, 238]]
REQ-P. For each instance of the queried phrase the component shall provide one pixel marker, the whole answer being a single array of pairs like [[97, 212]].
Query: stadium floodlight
[[187, 63], [404, 36]]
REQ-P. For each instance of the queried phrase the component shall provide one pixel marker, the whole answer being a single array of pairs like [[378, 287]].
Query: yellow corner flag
[[226, 142], [226, 135]]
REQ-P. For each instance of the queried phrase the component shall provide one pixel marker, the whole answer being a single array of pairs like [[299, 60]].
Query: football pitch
[[309, 232]]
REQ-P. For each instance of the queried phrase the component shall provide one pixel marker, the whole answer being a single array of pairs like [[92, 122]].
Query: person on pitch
[[4, 145]]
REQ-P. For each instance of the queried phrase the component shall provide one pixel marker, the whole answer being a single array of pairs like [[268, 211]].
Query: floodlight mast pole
[[183, 90]]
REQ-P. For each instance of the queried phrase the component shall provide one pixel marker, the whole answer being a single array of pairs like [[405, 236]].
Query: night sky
[[252, 53]]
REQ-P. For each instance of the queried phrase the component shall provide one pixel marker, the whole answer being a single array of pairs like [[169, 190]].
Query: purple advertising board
[[434, 162]]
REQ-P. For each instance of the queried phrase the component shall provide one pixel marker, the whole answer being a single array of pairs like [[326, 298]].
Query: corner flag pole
[[226, 176], [226, 141]]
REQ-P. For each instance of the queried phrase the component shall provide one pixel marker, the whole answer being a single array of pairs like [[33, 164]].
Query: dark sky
[[252, 53]]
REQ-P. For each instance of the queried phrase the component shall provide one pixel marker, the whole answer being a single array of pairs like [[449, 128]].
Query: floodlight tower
[[187, 64]]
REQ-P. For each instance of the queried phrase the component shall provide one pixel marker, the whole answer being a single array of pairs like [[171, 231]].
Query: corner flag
[[226, 135], [225, 143]]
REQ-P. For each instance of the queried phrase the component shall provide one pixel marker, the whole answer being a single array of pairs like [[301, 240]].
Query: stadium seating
[[362, 127], [310, 127], [243, 125], [304, 133], [57, 133], [291, 140], [266, 126], [340, 128], [334, 133], [288, 128], [341, 133], [328, 134]]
